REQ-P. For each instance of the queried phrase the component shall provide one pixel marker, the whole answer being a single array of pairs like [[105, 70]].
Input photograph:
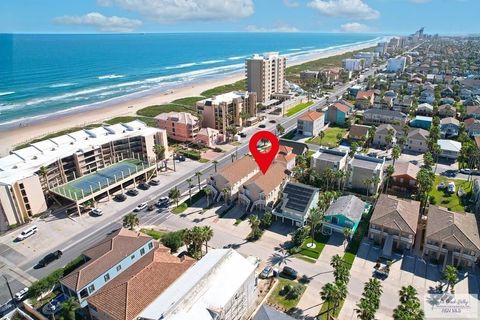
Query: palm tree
[[347, 233], [409, 307], [368, 182], [321, 135], [225, 192], [207, 192], [314, 219], [244, 116], [43, 172], [190, 186], [68, 309], [207, 235], [407, 293], [450, 275], [336, 261], [375, 181], [340, 294], [130, 221], [328, 295], [280, 129], [388, 175], [370, 301], [198, 174], [215, 162], [256, 232], [174, 194], [396, 152]]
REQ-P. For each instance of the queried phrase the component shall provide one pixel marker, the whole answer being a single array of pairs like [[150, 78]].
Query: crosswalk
[[150, 218]]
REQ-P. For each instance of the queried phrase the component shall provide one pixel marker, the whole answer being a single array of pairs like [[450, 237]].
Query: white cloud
[[276, 28], [291, 3], [168, 11], [101, 22], [345, 8], [354, 27]]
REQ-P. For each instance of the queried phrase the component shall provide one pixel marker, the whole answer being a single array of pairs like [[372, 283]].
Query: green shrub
[[432, 200], [173, 240], [294, 292], [299, 236]]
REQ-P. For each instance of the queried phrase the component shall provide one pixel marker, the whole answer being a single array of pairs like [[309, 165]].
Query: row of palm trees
[[370, 300], [334, 293], [195, 238]]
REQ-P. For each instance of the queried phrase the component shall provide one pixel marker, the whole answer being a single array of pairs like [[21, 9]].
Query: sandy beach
[[11, 138]]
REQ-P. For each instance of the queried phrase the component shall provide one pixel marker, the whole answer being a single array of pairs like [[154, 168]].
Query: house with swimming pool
[[345, 212]]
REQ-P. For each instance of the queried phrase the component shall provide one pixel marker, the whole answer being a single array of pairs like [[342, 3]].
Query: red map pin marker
[[264, 159]]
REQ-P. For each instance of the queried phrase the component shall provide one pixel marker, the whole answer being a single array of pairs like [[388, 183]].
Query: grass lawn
[[279, 300], [452, 201], [330, 139], [310, 153], [236, 86], [184, 104], [323, 312], [181, 207], [155, 234], [299, 107], [203, 160], [319, 241], [148, 121]]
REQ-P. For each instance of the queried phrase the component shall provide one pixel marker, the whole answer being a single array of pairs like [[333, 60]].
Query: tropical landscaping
[[330, 137], [299, 107]]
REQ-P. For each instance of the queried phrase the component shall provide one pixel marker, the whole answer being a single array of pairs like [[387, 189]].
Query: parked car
[[132, 192], [441, 186], [140, 207], [49, 258], [27, 233], [120, 197], [151, 207], [144, 186], [163, 202], [154, 182], [96, 212], [451, 187], [272, 121], [262, 126], [466, 171], [180, 157], [266, 272], [20, 295], [290, 272], [243, 134]]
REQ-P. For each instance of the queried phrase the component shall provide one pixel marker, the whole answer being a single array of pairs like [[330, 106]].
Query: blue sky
[[382, 16]]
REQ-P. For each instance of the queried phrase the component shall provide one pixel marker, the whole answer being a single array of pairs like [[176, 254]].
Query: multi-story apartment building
[[296, 202], [394, 223], [180, 126], [27, 174], [367, 57], [396, 64], [311, 123], [328, 159], [379, 116], [451, 238], [364, 168], [352, 64], [227, 110], [266, 75]]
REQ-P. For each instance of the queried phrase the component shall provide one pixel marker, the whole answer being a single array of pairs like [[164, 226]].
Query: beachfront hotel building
[[226, 110], [266, 75], [74, 168], [180, 126]]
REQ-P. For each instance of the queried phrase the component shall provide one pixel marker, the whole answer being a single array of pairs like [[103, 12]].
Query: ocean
[[41, 75]]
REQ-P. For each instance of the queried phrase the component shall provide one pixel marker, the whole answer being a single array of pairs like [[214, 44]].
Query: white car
[[20, 295], [27, 233], [451, 187], [97, 212], [141, 206]]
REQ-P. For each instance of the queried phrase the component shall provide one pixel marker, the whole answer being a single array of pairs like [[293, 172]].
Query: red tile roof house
[[311, 123], [339, 112], [111, 267], [364, 99]]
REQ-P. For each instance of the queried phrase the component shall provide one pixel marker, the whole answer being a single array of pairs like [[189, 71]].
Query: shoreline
[[10, 137]]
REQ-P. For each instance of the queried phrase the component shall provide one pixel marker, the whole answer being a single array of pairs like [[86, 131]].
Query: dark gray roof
[[299, 148], [268, 313], [367, 162], [386, 112], [348, 206], [299, 196]]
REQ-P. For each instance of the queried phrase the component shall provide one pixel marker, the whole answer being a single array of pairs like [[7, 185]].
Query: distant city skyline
[[366, 16]]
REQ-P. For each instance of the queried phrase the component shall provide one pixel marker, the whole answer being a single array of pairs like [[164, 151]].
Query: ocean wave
[[295, 49], [61, 85], [181, 66], [6, 93], [110, 76], [237, 58], [211, 61]]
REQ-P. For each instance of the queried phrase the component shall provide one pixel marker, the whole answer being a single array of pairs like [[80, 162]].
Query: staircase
[[387, 247]]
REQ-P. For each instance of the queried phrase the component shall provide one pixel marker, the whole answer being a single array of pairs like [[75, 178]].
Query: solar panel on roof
[[298, 197]]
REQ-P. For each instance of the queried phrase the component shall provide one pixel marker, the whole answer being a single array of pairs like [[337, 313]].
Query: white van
[[27, 233]]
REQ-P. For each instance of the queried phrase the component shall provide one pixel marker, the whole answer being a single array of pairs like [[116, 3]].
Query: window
[[150, 245], [106, 277], [91, 288], [132, 257], [142, 251], [84, 293], [119, 267]]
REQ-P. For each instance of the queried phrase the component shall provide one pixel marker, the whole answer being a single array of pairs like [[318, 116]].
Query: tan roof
[[358, 131], [455, 228], [269, 181], [365, 95], [311, 116], [128, 294], [239, 169], [418, 133], [285, 154], [477, 141], [397, 214], [181, 117], [104, 255], [450, 120], [406, 168]]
